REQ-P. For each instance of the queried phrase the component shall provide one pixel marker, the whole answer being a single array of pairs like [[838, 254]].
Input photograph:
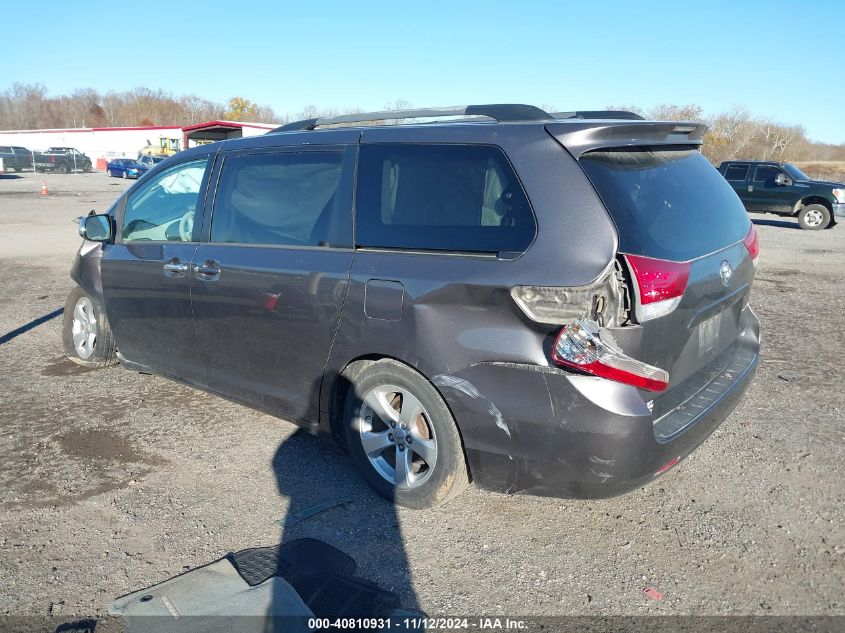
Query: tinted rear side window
[[668, 204], [736, 172], [286, 198], [441, 197]]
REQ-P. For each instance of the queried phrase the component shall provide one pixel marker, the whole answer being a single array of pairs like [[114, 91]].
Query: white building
[[102, 144]]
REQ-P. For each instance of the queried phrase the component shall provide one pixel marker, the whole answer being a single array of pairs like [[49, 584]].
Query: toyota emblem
[[725, 272]]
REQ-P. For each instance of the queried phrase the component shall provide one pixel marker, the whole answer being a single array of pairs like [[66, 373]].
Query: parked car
[[150, 161], [783, 189], [16, 158], [62, 160], [125, 168], [559, 306]]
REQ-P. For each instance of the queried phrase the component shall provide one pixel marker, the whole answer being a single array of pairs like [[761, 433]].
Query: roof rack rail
[[598, 114], [500, 112]]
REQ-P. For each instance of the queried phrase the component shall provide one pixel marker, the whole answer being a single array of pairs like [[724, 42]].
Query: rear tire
[[86, 335], [420, 465], [814, 217]]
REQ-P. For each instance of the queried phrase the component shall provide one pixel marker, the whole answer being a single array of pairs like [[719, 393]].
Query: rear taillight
[[585, 346], [558, 304], [660, 285], [752, 244]]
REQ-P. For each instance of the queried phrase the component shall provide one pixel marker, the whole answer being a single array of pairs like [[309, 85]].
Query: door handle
[[209, 271], [175, 269], [750, 188]]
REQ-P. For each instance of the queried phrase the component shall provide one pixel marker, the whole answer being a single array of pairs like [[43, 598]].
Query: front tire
[[814, 217], [402, 437], [86, 335]]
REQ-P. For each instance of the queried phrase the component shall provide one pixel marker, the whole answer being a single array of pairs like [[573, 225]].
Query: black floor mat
[[322, 576], [335, 596], [303, 557]]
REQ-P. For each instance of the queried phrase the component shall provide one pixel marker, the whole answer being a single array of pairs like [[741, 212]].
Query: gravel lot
[[111, 480]]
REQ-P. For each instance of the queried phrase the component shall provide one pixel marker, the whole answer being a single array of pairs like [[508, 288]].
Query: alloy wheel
[[397, 436], [84, 329]]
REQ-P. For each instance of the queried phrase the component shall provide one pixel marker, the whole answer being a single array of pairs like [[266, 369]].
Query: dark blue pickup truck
[[15, 158], [783, 189]]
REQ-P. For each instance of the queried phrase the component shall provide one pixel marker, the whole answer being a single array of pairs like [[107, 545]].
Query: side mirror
[[96, 228], [782, 179]]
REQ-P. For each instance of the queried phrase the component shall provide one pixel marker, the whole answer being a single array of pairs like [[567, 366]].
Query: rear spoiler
[[579, 136]]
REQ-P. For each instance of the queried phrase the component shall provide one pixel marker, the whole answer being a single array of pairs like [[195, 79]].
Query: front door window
[[164, 208]]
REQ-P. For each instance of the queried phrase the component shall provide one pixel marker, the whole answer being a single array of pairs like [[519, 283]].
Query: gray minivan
[[556, 304]]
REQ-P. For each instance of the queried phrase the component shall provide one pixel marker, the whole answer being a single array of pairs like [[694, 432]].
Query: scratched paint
[[466, 387]]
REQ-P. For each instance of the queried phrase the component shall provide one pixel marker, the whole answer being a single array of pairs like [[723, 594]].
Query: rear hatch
[[685, 242]]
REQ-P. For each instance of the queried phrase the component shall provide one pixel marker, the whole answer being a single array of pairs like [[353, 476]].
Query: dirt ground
[[111, 480]]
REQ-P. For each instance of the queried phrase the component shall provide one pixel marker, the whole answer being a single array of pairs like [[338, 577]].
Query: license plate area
[[708, 333]]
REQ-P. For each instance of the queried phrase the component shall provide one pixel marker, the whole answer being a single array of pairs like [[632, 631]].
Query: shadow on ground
[[330, 502], [5, 338], [780, 223]]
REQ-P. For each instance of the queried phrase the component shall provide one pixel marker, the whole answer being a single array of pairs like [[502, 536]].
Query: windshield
[[795, 173], [667, 204]]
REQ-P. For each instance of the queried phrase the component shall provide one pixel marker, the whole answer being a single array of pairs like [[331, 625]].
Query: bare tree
[[729, 136], [733, 134]]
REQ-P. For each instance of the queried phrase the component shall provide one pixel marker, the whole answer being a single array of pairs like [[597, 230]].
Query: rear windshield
[[668, 204]]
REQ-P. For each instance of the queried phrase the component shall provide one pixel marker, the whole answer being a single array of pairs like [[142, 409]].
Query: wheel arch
[[813, 199]]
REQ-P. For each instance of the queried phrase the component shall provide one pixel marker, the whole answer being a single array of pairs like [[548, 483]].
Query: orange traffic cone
[[44, 191]]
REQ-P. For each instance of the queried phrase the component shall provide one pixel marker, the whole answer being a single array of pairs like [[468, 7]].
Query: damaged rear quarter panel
[[537, 427]]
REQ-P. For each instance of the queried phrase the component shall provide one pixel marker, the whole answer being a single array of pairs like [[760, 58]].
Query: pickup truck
[[62, 160], [15, 158], [783, 189]]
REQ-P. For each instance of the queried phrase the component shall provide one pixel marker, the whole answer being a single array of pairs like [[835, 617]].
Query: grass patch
[[823, 169]]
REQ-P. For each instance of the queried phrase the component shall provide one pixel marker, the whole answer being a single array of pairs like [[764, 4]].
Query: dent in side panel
[[85, 270], [522, 424]]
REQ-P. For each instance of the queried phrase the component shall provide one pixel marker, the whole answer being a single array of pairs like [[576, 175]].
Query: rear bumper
[[547, 432], [839, 210]]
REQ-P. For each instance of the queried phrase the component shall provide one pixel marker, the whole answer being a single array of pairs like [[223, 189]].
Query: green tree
[[239, 109]]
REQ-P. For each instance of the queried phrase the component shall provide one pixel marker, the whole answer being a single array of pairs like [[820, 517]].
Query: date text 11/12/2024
[[418, 623]]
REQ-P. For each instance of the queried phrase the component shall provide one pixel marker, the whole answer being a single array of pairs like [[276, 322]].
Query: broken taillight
[[752, 244], [660, 285], [586, 346], [667, 465]]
